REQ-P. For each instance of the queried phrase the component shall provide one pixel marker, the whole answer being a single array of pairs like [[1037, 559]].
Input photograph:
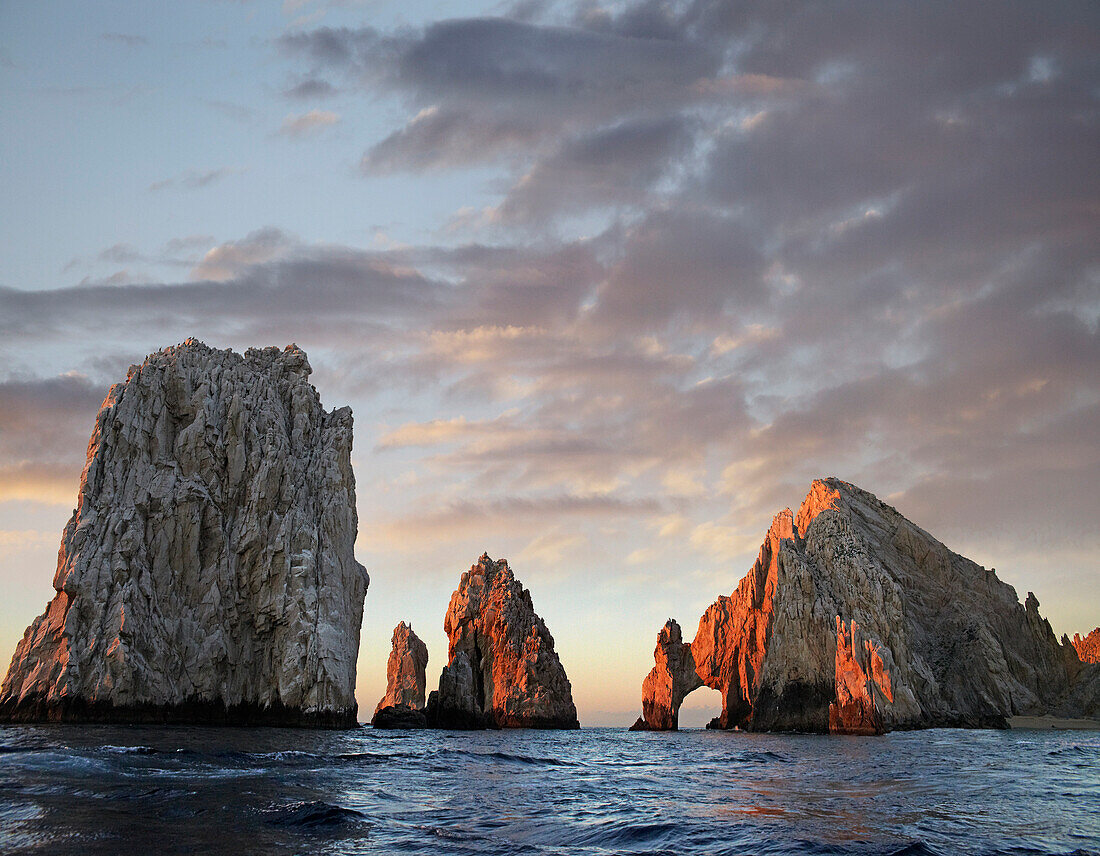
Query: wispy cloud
[[304, 124], [128, 39], [194, 179]]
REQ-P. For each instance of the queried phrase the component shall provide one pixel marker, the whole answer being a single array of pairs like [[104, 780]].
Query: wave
[[507, 757], [764, 757], [313, 815], [129, 750]]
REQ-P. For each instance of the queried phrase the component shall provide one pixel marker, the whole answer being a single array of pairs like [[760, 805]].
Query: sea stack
[[854, 620], [502, 670], [403, 704], [207, 574]]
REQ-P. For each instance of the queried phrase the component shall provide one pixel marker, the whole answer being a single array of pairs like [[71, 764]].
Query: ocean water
[[157, 791]]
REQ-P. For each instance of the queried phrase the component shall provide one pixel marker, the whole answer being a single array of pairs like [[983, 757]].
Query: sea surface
[[149, 790]]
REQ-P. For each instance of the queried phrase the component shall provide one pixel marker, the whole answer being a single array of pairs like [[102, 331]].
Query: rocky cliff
[[207, 573], [502, 669], [855, 620], [403, 704]]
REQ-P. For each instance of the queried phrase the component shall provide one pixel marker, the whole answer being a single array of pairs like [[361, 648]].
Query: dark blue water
[[104, 789]]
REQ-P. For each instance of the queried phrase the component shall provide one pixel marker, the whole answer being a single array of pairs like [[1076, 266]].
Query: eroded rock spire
[[502, 669], [403, 704]]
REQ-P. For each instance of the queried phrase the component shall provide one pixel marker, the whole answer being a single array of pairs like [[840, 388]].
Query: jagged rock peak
[[405, 669], [1088, 648], [502, 669], [853, 619], [672, 677], [207, 573]]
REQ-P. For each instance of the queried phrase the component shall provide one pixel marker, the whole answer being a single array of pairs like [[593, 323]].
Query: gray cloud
[[128, 39], [310, 88], [193, 179], [257, 283], [443, 139], [735, 247], [616, 165], [44, 428]]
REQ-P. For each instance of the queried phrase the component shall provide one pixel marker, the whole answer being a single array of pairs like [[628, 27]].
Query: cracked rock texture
[[502, 671], [403, 703], [1088, 649], [855, 620], [207, 573], [670, 680]]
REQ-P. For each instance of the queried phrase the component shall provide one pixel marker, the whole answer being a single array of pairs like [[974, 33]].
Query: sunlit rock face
[[1083, 660], [207, 573], [672, 677], [854, 620], [1088, 648], [403, 704], [502, 670]]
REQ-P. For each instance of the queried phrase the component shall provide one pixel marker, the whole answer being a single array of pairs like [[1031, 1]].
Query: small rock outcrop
[[403, 704], [207, 573], [854, 620], [502, 670]]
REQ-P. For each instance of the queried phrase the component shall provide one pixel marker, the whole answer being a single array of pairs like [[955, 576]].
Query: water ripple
[[104, 789]]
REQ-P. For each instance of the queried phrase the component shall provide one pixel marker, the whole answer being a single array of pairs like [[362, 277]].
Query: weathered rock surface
[[855, 620], [403, 704], [502, 670], [399, 716], [672, 677], [405, 670], [207, 573], [456, 705], [1088, 649]]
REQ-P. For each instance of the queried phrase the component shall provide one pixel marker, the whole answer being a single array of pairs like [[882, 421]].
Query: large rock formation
[[855, 620], [207, 573], [403, 704], [502, 670]]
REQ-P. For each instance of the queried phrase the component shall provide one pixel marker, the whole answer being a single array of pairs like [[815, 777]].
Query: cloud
[[128, 39], [439, 139], [44, 429], [195, 179], [310, 88], [261, 285], [728, 248], [308, 123], [617, 165], [226, 260], [491, 86]]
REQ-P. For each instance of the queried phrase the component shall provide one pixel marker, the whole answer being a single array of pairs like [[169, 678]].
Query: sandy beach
[[1061, 723]]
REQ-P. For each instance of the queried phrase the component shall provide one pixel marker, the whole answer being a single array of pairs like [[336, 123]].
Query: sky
[[605, 284]]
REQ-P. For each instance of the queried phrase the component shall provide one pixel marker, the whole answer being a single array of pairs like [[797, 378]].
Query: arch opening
[[699, 707]]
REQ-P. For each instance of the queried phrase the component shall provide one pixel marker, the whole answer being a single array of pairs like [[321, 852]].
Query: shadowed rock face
[[207, 573], [854, 620], [503, 671]]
